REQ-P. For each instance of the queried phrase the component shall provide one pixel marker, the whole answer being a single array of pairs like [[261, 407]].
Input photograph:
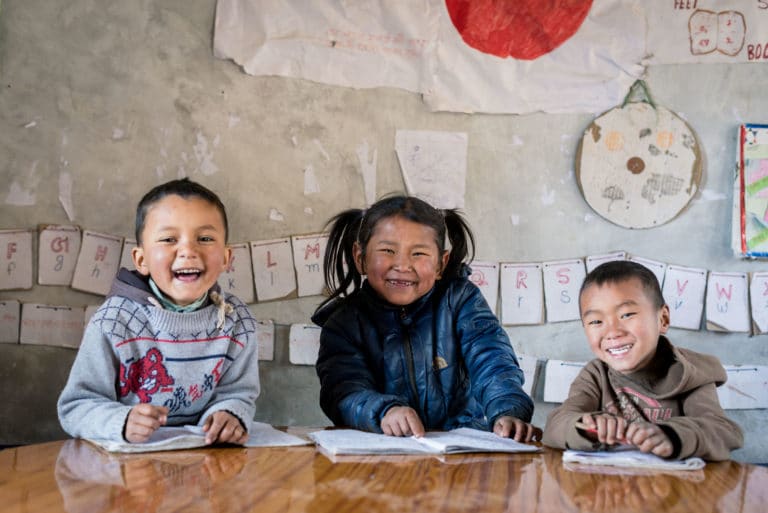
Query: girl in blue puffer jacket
[[408, 343]]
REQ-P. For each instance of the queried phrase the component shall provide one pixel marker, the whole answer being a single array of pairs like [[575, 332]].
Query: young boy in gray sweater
[[167, 347]]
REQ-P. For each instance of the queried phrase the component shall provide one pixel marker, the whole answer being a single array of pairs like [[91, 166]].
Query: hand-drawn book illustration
[[722, 31]]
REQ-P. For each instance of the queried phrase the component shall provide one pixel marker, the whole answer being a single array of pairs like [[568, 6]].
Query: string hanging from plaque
[[639, 164]]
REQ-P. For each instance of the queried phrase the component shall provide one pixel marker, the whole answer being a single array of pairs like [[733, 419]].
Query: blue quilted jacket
[[446, 356]]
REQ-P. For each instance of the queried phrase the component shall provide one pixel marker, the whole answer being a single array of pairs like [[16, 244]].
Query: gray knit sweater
[[134, 352]]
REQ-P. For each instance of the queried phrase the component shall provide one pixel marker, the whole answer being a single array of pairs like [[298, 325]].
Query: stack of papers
[[631, 458], [189, 437], [462, 440]]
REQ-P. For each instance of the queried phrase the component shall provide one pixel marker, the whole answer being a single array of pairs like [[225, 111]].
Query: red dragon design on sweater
[[145, 376]]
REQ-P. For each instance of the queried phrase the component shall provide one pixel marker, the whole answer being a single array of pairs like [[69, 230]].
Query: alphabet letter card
[[273, 273], [58, 249], [308, 253], [684, 293], [486, 276], [98, 262], [238, 277], [562, 281], [522, 294], [15, 259], [727, 302]]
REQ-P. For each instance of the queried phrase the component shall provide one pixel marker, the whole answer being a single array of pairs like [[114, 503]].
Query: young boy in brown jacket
[[640, 390]]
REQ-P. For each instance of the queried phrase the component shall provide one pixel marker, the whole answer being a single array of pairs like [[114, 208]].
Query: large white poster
[[461, 55]]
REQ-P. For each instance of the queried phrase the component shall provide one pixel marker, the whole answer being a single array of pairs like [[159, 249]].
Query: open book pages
[[169, 438], [351, 441], [630, 458]]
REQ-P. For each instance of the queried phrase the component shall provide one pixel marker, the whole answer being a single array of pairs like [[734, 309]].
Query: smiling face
[[183, 247], [402, 260], [622, 323]]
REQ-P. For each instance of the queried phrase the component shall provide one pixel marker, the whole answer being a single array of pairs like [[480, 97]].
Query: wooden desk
[[76, 477]]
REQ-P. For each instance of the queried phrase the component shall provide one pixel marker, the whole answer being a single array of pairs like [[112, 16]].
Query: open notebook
[[351, 441], [188, 437]]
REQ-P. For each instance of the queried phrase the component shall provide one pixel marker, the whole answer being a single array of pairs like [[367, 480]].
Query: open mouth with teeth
[[400, 283], [619, 351], [187, 274]]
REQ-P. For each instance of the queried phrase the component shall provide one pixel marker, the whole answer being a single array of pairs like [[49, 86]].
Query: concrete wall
[[124, 95]]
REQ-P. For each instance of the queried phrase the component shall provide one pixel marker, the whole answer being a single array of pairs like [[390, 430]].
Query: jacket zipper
[[411, 370]]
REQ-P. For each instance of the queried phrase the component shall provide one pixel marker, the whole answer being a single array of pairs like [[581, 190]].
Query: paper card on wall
[[10, 313], [746, 388], [126, 258], [237, 279], [303, 344], [273, 273], [50, 325], [434, 165], [595, 260], [522, 294], [98, 262], [558, 377], [758, 300], [727, 302], [57, 254], [486, 276], [683, 291], [265, 339], [562, 281], [528, 365], [308, 253], [15, 259], [658, 268]]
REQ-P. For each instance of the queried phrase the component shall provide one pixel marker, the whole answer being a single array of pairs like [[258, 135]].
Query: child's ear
[[664, 319], [139, 261], [357, 254], [227, 256], [443, 263]]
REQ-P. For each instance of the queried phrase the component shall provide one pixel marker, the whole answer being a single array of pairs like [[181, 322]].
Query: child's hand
[[222, 426], [649, 437], [402, 421], [609, 429], [143, 420], [507, 426]]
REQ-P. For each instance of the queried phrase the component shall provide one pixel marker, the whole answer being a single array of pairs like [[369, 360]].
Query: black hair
[[356, 225], [622, 270], [183, 187]]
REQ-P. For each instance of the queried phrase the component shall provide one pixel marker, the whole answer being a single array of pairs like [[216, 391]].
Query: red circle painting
[[522, 29]]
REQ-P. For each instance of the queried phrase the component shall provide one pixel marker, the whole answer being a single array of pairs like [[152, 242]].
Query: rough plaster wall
[[119, 96]]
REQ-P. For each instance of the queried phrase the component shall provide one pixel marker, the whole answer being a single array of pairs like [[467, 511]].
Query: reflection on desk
[[76, 477]]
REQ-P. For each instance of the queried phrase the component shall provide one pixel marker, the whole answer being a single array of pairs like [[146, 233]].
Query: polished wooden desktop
[[76, 477]]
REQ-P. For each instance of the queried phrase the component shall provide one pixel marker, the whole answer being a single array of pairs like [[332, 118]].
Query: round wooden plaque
[[638, 165]]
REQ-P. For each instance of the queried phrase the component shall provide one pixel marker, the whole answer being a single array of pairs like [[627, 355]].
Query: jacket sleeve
[[703, 429], [238, 388], [348, 391], [584, 396], [495, 375], [88, 407]]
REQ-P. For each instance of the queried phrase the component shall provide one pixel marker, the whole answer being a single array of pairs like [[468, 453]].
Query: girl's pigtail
[[339, 268], [462, 242]]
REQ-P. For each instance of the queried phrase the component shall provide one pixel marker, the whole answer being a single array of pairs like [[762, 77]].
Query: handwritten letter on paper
[[97, 263], [684, 293], [15, 259], [522, 294], [273, 272], [58, 249], [562, 281], [237, 279], [486, 276], [727, 302], [308, 253]]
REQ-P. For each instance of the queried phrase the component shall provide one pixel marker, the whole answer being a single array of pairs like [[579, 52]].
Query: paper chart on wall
[[434, 165], [51, 325], [303, 344], [758, 301], [562, 281], [750, 193], [237, 278], [529, 365], [10, 314], [486, 276], [746, 387], [273, 272], [727, 302], [308, 253], [16, 266], [265, 339], [97, 263], [522, 294], [558, 376], [58, 248], [683, 291]]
